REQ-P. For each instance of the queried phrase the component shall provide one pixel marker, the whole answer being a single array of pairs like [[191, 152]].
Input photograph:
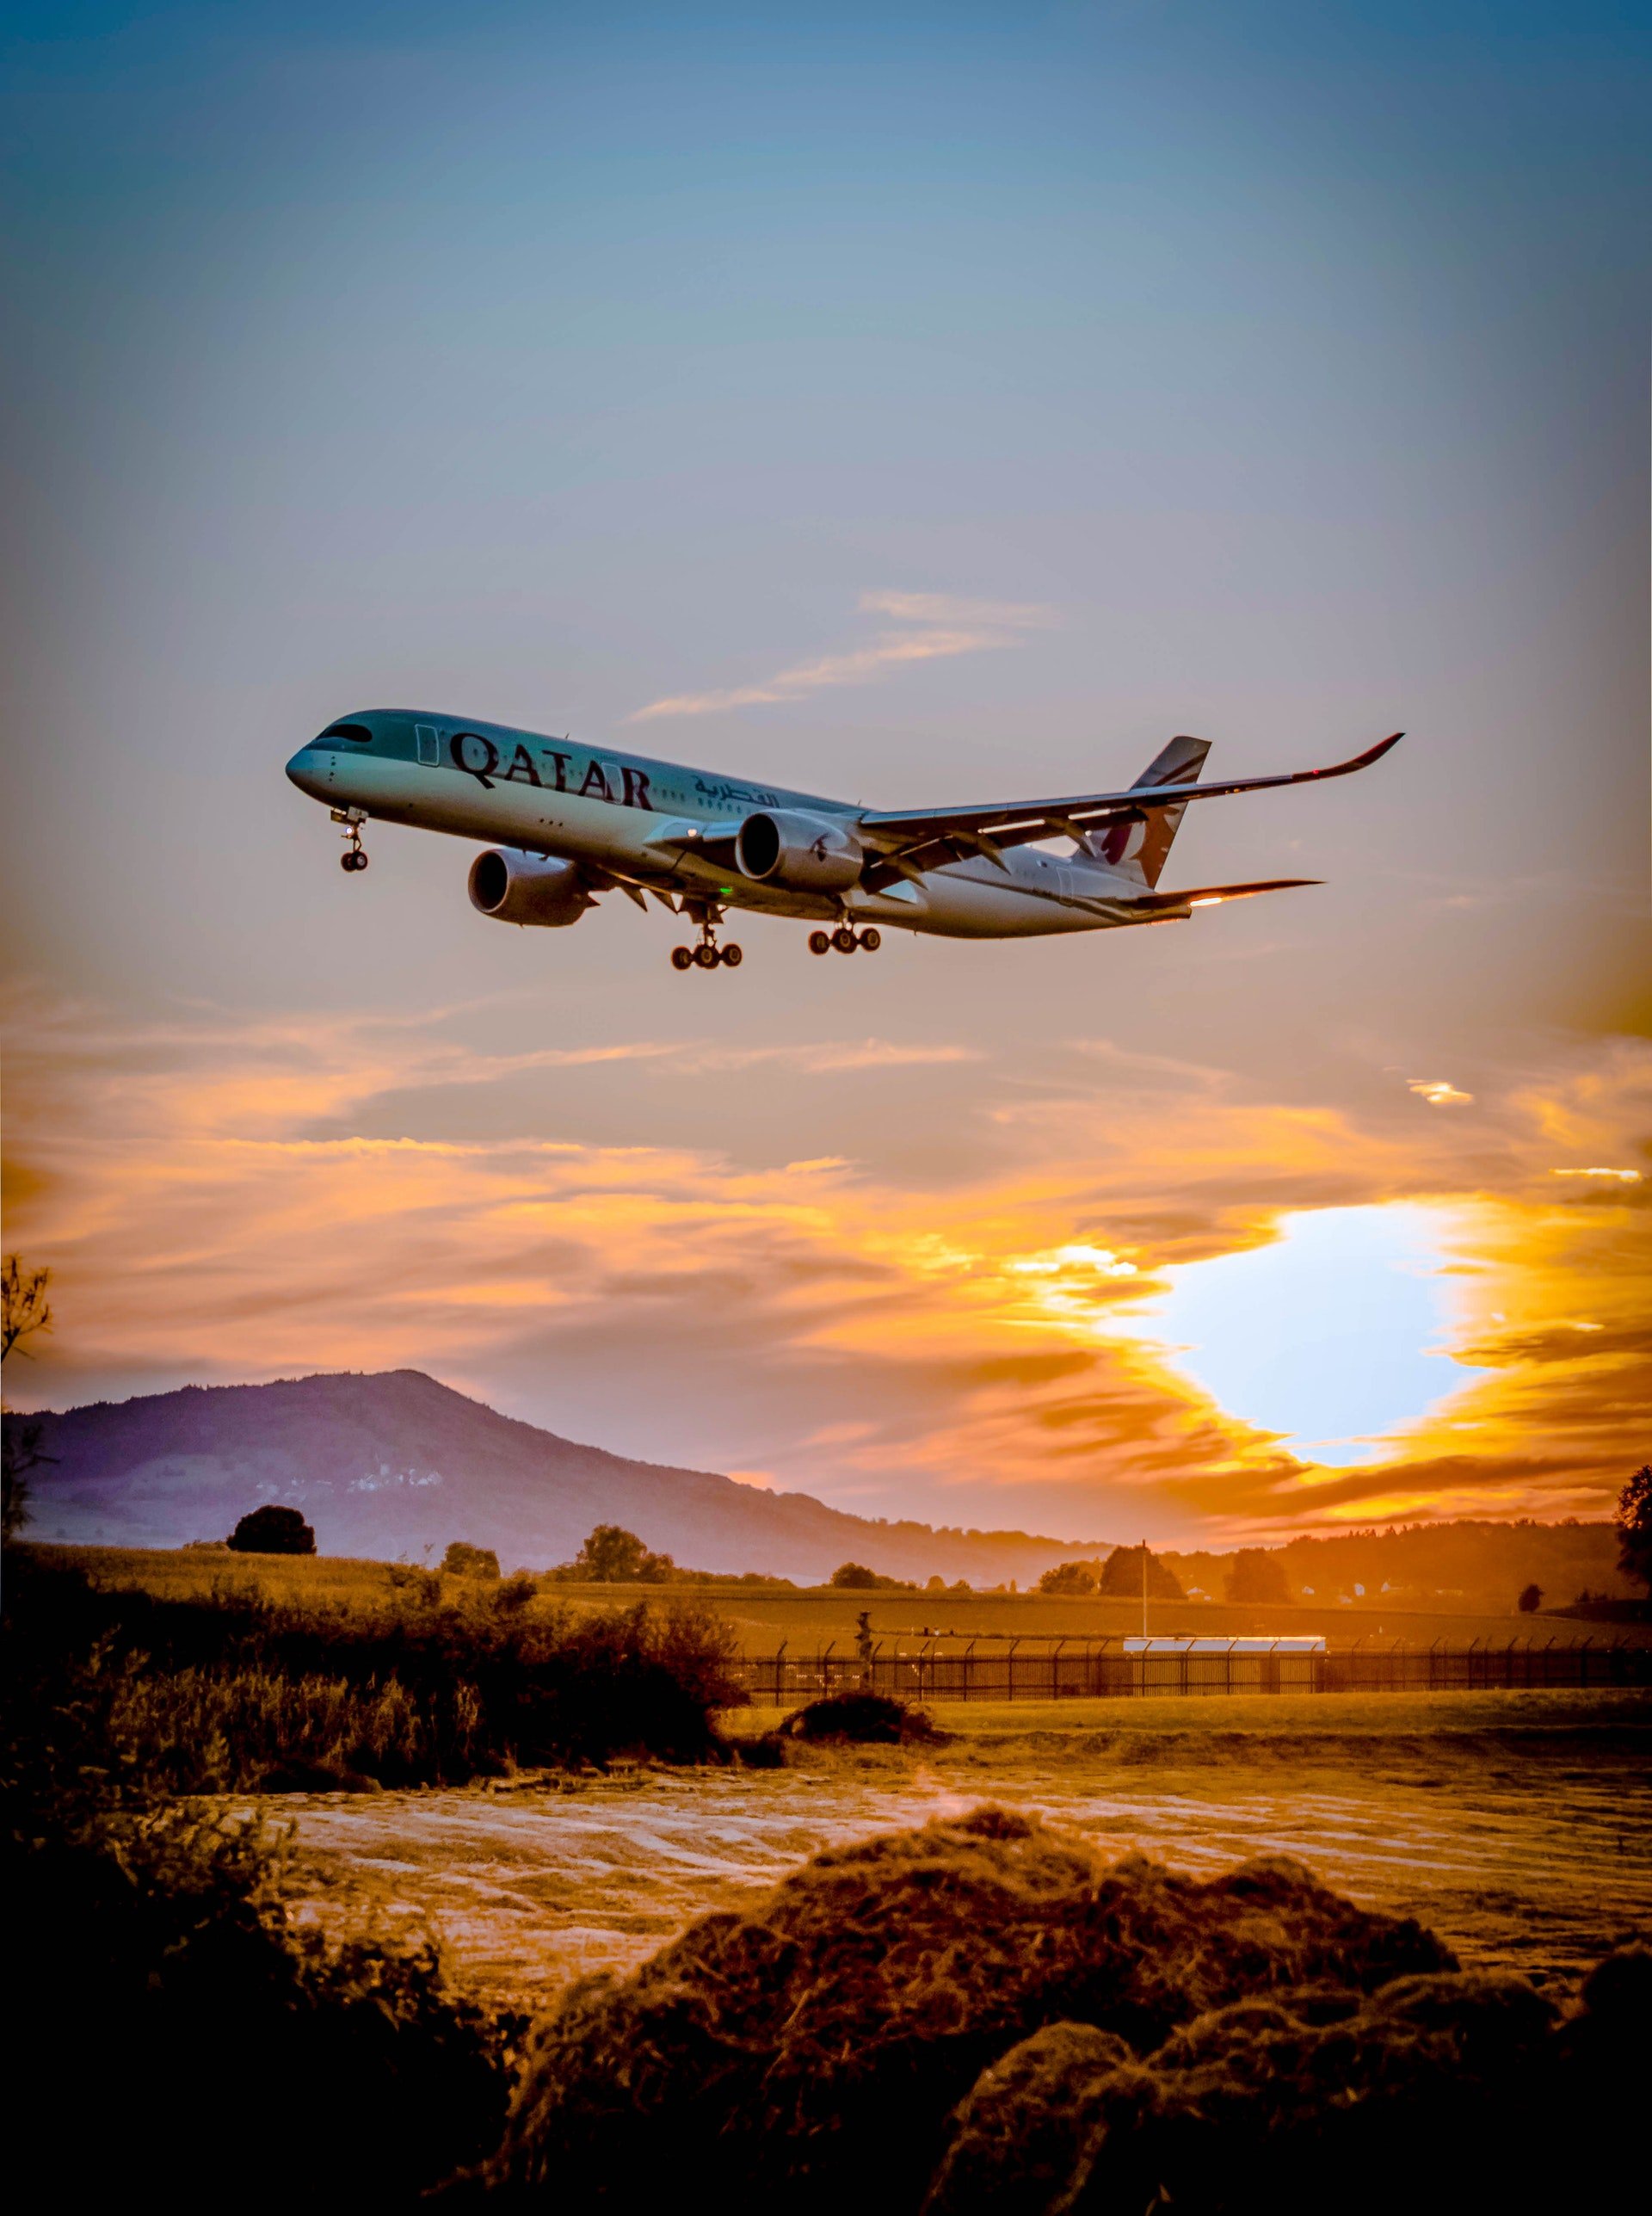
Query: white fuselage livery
[[568, 821]]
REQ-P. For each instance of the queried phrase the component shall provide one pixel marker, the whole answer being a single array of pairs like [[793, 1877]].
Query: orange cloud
[[209, 1218]]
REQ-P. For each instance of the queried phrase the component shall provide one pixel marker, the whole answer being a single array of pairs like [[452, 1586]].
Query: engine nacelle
[[527, 888], [806, 853]]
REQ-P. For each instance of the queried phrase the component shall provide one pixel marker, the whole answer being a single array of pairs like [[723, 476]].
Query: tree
[[24, 1310], [1256, 1576], [855, 1577], [273, 1530], [614, 1556], [1068, 1577], [1634, 1521], [1530, 1600], [464, 1561], [1121, 1577]]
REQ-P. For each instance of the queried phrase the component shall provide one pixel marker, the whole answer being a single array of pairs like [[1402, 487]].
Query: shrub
[[867, 1719], [1530, 1600], [189, 2040], [236, 1692], [464, 1561], [273, 1530]]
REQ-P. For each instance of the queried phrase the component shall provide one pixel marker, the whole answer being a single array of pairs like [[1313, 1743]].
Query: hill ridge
[[361, 1453]]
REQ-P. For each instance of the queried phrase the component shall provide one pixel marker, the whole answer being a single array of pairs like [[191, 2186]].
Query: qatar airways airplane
[[565, 823]]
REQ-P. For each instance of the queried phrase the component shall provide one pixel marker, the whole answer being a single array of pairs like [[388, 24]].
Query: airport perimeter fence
[[1102, 1671]]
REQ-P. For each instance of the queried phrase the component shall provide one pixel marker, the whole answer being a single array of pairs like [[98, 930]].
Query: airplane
[[565, 823]]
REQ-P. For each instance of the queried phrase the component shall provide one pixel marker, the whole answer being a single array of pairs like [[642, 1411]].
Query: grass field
[[811, 1620], [1516, 1824]]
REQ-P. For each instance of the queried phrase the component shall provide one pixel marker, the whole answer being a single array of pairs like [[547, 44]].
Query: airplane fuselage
[[636, 820]]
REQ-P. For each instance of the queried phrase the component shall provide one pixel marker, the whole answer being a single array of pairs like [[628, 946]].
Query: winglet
[[1364, 760]]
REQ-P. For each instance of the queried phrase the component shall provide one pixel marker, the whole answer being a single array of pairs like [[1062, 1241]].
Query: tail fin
[[1138, 845]]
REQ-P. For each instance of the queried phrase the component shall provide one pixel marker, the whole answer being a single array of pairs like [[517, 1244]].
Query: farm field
[[1518, 1825], [812, 1619]]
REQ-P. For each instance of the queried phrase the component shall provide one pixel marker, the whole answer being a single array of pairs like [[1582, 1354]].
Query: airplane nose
[[308, 770]]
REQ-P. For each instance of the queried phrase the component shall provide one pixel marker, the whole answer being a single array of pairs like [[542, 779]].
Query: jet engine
[[527, 888], [804, 854]]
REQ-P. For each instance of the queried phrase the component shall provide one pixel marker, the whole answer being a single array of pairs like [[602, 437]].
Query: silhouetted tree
[[1121, 1577], [1256, 1576], [273, 1530], [614, 1556], [1634, 1521], [1530, 1600], [464, 1561], [24, 1310], [1069, 1577], [855, 1577]]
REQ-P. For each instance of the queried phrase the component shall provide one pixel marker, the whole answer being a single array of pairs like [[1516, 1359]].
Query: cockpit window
[[357, 731]]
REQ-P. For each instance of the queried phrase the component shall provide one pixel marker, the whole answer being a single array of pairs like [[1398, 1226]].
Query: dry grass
[[813, 2045]]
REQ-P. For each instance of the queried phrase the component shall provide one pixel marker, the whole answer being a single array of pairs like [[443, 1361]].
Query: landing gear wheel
[[353, 858], [820, 942], [871, 939], [683, 958], [843, 939], [705, 956], [731, 958]]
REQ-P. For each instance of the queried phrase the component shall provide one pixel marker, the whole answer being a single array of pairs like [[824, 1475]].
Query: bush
[[866, 1718], [189, 2040], [1530, 1600], [463, 1561], [273, 1530], [236, 1692], [855, 1577]]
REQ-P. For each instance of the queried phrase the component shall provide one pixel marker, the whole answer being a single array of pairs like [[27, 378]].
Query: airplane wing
[[913, 840]]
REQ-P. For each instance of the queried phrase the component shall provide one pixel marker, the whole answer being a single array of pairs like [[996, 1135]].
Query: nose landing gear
[[355, 855]]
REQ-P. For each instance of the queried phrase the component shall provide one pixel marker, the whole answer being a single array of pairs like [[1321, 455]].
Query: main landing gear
[[355, 855], [707, 955], [845, 940]]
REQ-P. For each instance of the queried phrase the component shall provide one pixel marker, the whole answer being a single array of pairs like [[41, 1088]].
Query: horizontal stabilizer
[[1211, 896]]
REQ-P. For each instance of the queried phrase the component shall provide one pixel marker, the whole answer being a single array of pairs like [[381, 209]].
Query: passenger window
[[429, 743]]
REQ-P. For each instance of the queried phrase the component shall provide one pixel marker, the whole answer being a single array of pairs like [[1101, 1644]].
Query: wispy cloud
[[1439, 1092], [943, 626]]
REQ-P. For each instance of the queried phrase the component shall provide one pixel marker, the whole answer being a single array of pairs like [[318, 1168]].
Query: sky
[[920, 406]]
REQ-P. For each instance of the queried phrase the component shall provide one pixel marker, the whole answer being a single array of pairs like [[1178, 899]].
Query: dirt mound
[[870, 1719], [819, 2041]]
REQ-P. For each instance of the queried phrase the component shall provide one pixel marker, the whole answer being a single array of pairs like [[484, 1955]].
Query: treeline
[[1477, 1567]]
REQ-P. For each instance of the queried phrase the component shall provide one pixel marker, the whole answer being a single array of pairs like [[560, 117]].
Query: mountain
[[390, 1464]]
